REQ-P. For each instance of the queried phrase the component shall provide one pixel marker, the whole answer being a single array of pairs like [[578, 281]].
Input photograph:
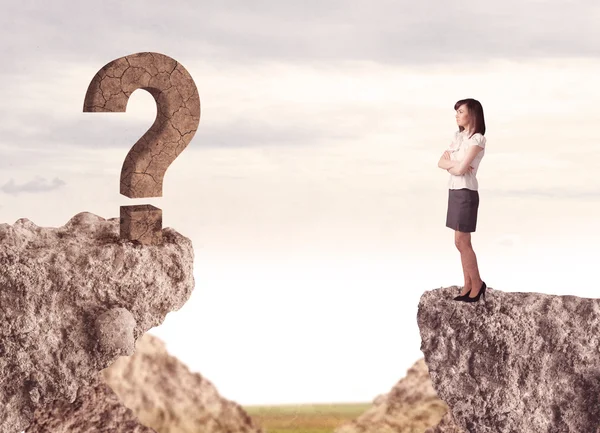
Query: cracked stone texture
[[177, 114], [142, 223], [95, 410], [72, 300], [411, 406], [520, 362], [165, 395]]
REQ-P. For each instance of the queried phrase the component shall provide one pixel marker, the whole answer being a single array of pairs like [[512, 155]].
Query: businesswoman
[[461, 160]]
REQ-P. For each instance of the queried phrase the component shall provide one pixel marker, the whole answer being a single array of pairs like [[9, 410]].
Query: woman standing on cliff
[[462, 160]]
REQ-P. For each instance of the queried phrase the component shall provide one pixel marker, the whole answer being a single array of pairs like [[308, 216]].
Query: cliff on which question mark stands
[[75, 298]]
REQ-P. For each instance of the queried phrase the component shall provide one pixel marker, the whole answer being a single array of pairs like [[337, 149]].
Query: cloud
[[398, 32], [38, 185], [106, 132]]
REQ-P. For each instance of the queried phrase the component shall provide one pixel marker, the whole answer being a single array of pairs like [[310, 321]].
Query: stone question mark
[[177, 119]]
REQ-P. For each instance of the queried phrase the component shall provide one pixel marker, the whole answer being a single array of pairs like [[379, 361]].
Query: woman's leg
[[468, 285], [469, 262]]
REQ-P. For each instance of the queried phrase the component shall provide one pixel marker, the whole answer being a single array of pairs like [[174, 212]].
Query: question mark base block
[[142, 223]]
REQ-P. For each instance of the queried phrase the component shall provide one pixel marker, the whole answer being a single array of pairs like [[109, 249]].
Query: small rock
[[115, 332]]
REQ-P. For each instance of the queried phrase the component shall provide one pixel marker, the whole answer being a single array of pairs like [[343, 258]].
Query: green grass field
[[305, 418]]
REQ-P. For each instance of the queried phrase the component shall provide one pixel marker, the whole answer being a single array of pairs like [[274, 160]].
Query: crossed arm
[[452, 167], [459, 168]]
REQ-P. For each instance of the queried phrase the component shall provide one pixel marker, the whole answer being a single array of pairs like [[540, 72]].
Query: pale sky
[[311, 190]]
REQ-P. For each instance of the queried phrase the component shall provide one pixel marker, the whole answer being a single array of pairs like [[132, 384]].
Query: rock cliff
[[165, 395], [160, 391], [72, 300], [411, 406], [96, 409], [520, 362]]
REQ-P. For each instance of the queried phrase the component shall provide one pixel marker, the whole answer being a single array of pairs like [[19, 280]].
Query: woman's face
[[462, 116]]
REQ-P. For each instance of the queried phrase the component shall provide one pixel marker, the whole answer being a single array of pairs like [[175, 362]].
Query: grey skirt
[[462, 209]]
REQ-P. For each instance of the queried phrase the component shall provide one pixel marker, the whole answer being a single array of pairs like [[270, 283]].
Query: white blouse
[[458, 150]]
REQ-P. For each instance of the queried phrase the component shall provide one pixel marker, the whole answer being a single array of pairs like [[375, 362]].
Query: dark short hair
[[475, 112]]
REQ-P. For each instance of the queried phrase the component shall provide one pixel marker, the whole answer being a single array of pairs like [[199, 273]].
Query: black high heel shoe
[[467, 298], [462, 297]]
